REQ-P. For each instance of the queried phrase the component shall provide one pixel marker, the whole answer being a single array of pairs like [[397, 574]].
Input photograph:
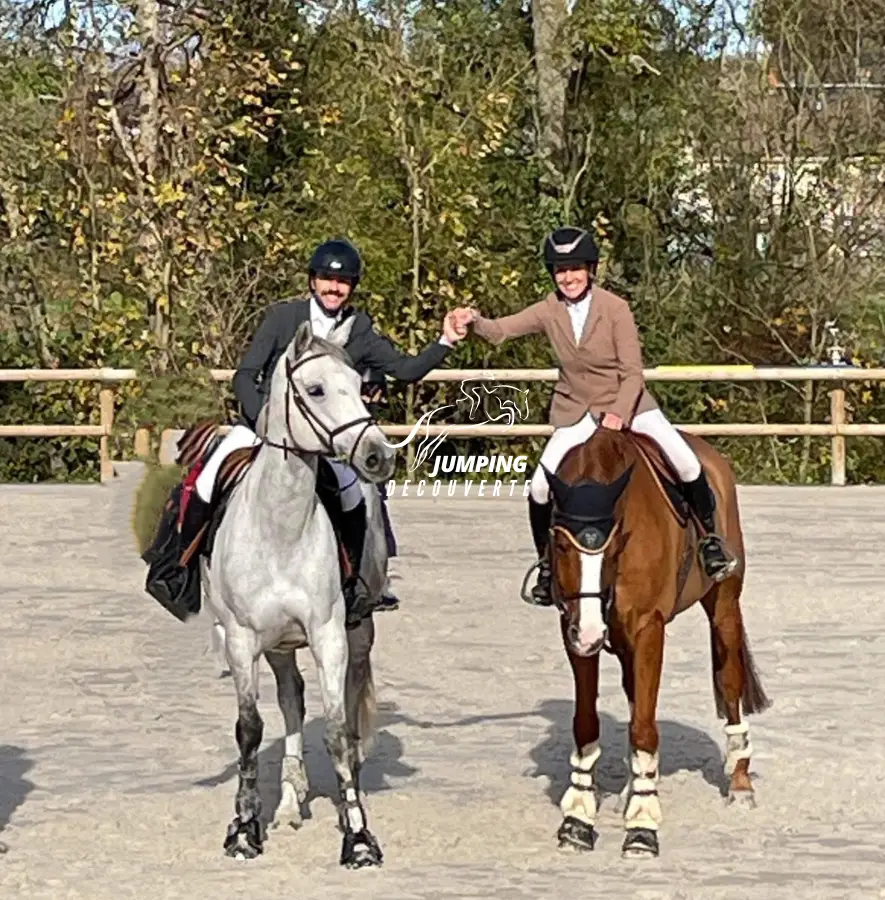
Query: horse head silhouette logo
[[472, 402]]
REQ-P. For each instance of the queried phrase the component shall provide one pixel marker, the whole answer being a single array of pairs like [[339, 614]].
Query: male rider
[[334, 272]]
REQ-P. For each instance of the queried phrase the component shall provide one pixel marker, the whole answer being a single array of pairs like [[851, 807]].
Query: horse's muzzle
[[582, 646], [373, 459]]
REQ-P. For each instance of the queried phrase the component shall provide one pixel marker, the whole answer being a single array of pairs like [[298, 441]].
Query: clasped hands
[[456, 323]]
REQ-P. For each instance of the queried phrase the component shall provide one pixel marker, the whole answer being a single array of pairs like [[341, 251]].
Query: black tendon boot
[[718, 564], [539, 518], [353, 536]]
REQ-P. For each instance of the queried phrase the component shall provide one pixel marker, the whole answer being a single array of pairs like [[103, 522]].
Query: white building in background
[[839, 195]]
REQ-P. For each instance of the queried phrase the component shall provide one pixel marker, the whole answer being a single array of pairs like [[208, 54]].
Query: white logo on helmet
[[335, 264], [568, 248]]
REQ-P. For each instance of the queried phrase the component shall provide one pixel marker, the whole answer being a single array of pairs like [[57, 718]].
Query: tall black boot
[[174, 586], [717, 562], [539, 518], [353, 536]]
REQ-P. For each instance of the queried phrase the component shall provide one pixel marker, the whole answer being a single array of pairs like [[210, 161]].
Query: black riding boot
[[196, 515], [539, 518], [353, 536], [718, 564], [174, 586]]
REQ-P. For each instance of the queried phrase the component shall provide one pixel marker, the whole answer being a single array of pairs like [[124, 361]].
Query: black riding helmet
[[336, 259], [569, 246]]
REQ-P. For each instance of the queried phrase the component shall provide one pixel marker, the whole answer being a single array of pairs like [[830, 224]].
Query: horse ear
[[302, 339], [558, 487], [340, 334]]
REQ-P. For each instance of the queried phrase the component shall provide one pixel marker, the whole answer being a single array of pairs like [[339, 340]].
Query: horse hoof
[[742, 799], [287, 817], [244, 839], [575, 834], [640, 843], [360, 850]]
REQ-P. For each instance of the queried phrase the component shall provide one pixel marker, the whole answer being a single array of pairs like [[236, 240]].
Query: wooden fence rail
[[837, 429]]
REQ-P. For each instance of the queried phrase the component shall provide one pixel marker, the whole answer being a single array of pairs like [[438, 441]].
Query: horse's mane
[[603, 458]]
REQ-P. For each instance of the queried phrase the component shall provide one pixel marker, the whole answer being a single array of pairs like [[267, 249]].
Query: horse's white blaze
[[591, 627]]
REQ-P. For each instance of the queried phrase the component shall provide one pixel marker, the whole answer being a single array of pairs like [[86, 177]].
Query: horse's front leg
[[329, 646], [642, 816], [245, 837], [578, 804]]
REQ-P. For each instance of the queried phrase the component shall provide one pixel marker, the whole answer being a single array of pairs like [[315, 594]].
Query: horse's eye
[[316, 390]]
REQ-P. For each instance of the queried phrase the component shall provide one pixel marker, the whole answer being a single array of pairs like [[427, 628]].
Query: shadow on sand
[[14, 787], [384, 762], [683, 748]]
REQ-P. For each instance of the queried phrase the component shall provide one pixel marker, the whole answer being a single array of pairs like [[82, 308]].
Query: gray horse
[[274, 586]]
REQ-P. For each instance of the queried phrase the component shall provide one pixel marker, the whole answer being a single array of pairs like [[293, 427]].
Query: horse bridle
[[326, 435], [591, 541]]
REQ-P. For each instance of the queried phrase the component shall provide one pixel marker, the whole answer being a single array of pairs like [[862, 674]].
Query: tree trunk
[[549, 18], [156, 282]]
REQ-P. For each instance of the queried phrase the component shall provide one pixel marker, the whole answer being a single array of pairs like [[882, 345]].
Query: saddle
[[195, 447], [665, 477], [668, 482]]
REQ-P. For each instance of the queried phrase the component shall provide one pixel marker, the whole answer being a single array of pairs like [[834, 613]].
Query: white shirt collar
[[322, 324]]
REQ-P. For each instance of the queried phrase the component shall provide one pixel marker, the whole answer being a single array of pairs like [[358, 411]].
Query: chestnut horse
[[624, 560]]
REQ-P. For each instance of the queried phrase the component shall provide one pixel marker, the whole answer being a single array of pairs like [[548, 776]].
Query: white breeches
[[240, 437], [652, 423], [348, 485]]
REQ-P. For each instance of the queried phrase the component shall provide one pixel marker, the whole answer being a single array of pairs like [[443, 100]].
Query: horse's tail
[[150, 501], [753, 699], [366, 709]]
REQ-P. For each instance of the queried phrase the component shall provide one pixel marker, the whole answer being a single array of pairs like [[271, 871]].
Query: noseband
[[325, 434]]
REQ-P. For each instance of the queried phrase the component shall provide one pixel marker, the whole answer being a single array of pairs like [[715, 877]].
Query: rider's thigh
[[655, 425]]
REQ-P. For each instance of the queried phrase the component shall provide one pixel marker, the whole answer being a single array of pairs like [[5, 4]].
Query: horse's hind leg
[[244, 834], [360, 688], [735, 684], [290, 696], [329, 646]]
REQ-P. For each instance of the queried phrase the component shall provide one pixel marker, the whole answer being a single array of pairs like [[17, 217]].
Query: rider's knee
[[351, 495], [539, 489]]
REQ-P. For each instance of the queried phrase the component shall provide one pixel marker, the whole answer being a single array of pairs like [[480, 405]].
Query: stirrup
[[533, 598], [723, 564]]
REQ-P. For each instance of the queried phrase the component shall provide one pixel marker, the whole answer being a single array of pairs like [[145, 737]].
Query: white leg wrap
[[737, 745], [644, 809], [579, 800]]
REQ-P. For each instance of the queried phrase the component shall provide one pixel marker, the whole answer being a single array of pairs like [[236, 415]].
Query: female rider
[[595, 338]]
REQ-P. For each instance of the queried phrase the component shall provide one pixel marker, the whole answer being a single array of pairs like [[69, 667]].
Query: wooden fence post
[[106, 407], [837, 442], [142, 443]]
